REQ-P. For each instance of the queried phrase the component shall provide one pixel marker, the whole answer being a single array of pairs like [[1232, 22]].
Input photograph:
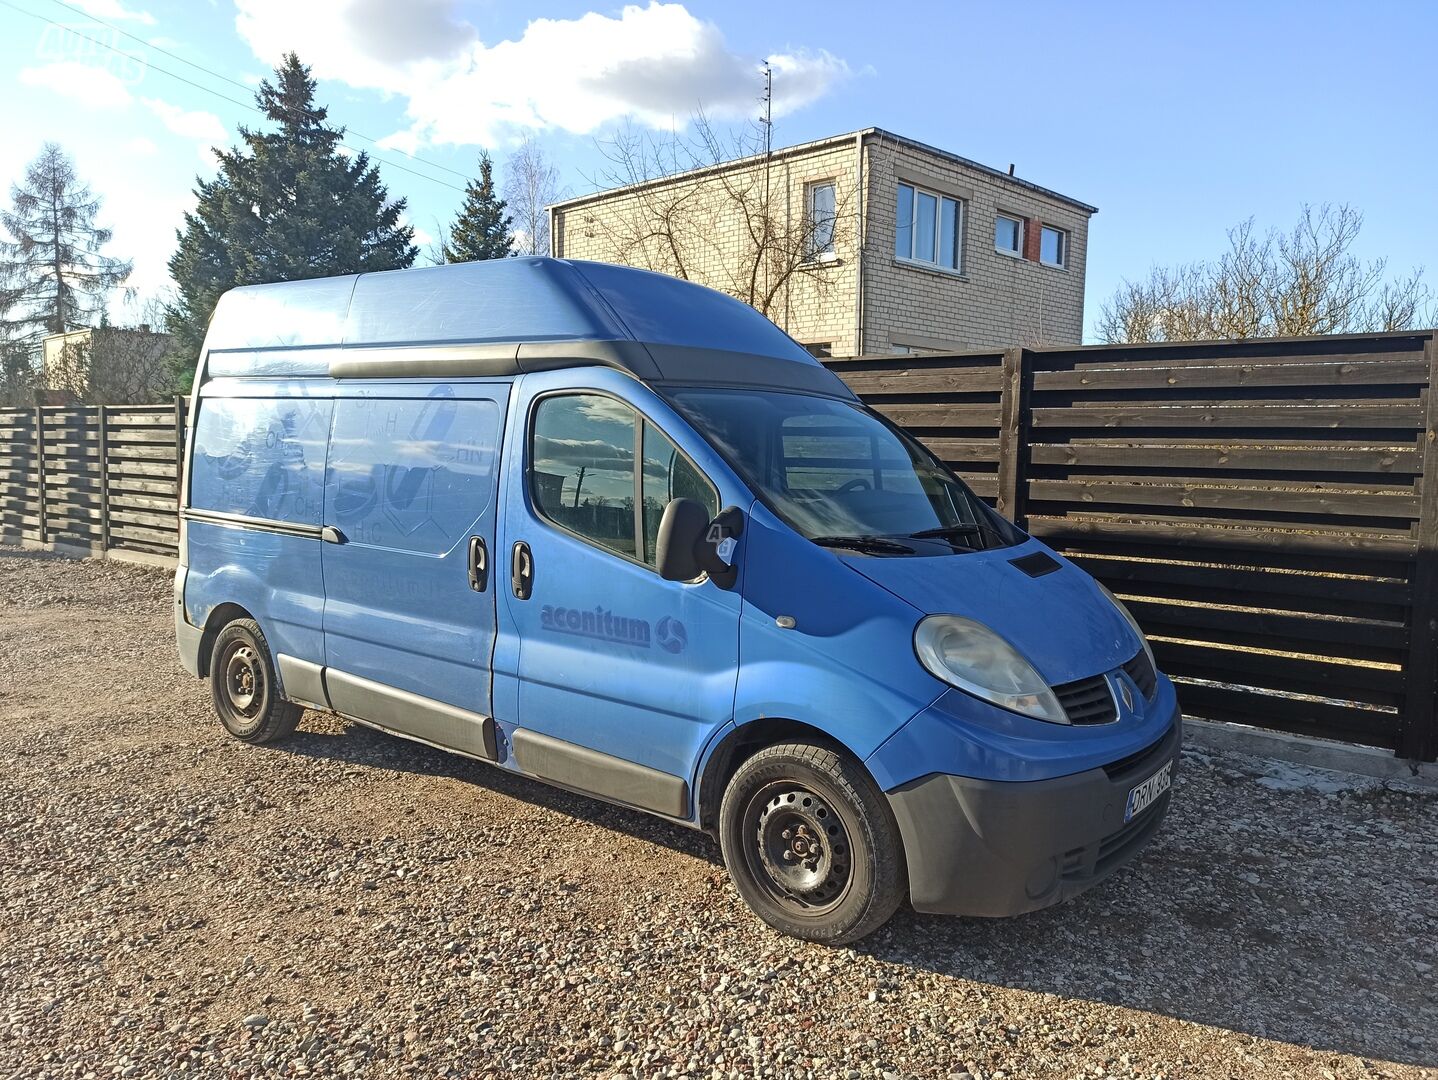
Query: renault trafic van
[[619, 533]]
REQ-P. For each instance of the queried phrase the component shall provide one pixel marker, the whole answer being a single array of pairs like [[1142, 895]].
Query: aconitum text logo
[[599, 622]]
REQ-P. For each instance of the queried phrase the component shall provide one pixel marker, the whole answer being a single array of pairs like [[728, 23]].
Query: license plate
[[1147, 793]]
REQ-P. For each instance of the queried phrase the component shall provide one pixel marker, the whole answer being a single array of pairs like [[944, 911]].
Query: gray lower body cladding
[[993, 848]]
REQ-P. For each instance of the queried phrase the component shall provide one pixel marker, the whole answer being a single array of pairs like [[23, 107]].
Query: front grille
[[1087, 701], [1136, 760], [1140, 670]]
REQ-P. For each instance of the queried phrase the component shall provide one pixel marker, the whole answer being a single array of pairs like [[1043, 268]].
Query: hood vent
[[1036, 565]]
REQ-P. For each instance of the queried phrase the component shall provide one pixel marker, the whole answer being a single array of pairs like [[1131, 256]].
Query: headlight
[[969, 655], [1132, 622]]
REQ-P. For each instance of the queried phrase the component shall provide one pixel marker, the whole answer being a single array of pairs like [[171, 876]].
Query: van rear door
[[409, 622]]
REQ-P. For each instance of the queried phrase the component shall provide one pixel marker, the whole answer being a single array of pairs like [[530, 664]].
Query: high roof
[[503, 317]]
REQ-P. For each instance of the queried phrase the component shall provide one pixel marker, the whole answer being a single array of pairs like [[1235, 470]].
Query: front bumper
[[999, 848]]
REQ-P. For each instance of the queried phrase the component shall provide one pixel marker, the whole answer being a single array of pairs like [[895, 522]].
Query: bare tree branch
[[1302, 282], [531, 185], [682, 225]]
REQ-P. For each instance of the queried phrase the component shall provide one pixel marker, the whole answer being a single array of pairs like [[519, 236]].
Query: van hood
[[1061, 622]]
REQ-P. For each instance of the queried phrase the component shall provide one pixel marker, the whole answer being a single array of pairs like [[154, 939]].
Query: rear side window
[[261, 457], [583, 475], [412, 474]]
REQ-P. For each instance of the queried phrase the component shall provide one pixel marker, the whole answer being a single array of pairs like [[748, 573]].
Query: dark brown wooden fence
[[1268, 509], [97, 479], [1261, 507]]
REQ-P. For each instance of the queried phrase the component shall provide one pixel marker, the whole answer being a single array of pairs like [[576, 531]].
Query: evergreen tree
[[53, 277], [286, 205], [482, 231]]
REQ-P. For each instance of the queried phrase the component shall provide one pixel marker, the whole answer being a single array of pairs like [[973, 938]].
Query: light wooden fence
[[97, 479]]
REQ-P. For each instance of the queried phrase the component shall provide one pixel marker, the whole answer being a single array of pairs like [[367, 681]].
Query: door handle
[[478, 564], [330, 535], [521, 570]]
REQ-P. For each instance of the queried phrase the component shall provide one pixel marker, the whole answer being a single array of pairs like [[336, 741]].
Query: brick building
[[880, 244]]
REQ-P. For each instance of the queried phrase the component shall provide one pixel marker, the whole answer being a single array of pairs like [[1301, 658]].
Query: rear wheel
[[245, 688], [811, 844]]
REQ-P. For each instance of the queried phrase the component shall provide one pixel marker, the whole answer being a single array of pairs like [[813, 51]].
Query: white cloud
[[114, 11], [658, 64], [93, 87], [140, 146], [204, 127]]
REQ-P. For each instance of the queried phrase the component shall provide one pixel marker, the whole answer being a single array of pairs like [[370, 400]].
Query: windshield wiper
[[943, 532], [875, 545]]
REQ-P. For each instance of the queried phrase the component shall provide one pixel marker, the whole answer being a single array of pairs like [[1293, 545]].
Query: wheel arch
[[220, 617], [740, 744]]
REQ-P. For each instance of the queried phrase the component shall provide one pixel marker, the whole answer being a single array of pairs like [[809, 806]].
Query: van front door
[[622, 676], [410, 490]]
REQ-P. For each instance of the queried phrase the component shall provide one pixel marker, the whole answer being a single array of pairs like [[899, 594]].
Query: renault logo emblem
[[1125, 693]]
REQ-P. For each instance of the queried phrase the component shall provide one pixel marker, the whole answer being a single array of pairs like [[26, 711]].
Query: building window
[[1009, 235], [820, 208], [820, 350], [930, 228], [1053, 247]]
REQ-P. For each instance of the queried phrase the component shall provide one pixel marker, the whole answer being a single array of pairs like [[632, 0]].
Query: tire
[[244, 686], [811, 844]]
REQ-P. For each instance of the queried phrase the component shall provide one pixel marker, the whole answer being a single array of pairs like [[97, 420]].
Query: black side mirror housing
[[690, 544]]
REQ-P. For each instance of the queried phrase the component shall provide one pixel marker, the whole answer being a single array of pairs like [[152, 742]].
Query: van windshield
[[841, 475]]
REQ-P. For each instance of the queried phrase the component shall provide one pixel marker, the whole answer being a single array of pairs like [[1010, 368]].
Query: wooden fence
[[1261, 505], [1268, 509], [97, 479]]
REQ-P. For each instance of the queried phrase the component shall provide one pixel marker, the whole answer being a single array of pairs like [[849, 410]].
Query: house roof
[[818, 144]]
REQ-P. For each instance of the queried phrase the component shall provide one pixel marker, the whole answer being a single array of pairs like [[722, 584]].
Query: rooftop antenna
[[768, 118], [768, 121]]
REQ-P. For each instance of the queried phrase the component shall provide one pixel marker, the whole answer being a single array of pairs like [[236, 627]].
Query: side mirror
[[689, 544], [681, 530]]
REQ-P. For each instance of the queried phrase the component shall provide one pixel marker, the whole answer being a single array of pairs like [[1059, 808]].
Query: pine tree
[[53, 277], [286, 205], [482, 231]]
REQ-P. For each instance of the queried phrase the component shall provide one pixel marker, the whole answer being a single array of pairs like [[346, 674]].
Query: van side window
[[261, 457], [411, 474], [668, 474], [582, 467]]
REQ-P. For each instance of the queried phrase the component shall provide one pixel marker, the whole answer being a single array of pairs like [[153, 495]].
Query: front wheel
[[811, 843], [245, 689]]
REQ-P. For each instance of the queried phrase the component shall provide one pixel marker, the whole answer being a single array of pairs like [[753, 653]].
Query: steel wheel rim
[[244, 680], [797, 847]]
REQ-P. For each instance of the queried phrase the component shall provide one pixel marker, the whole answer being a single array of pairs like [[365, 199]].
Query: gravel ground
[[173, 903]]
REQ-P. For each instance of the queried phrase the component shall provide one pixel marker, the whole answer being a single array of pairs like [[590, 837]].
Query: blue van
[[619, 533]]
